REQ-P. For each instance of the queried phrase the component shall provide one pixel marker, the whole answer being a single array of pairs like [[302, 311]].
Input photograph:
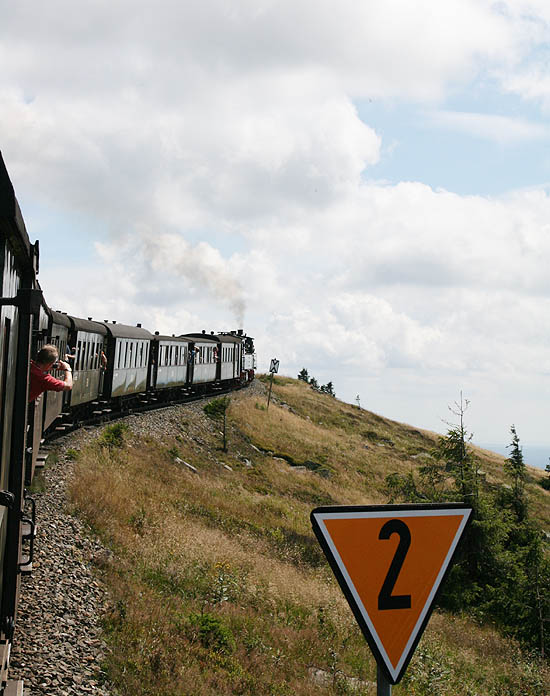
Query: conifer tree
[[328, 388], [458, 458], [514, 466], [303, 375]]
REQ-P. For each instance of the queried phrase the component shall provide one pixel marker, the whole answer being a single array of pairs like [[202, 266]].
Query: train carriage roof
[[124, 331], [87, 325], [230, 338], [179, 339], [60, 319], [200, 337]]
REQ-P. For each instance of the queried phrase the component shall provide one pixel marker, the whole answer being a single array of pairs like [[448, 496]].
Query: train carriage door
[[155, 357], [4, 436]]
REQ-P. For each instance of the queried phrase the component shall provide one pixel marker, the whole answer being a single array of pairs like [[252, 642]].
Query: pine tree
[[514, 466], [328, 388], [459, 460], [217, 410], [545, 482], [303, 375]]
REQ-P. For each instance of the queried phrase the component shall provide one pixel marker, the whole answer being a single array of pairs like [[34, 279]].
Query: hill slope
[[218, 584]]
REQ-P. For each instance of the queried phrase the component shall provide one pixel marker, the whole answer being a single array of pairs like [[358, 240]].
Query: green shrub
[[212, 632], [114, 435]]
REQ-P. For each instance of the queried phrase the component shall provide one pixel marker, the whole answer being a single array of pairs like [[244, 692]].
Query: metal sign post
[[383, 686], [273, 368]]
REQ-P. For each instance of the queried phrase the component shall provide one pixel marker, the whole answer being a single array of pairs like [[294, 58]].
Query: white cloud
[[502, 129]]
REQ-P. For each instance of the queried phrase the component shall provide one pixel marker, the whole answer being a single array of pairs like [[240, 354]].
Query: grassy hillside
[[219, 586]]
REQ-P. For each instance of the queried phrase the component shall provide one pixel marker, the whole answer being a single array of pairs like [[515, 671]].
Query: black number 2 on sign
[[385, 599]]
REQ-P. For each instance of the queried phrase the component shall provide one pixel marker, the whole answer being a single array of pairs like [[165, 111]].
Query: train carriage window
[[141, 353], [79, 356], [130, 353], [117, 356], [146, 353]]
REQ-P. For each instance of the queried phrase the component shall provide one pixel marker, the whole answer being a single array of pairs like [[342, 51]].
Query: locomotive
[[117, 369]]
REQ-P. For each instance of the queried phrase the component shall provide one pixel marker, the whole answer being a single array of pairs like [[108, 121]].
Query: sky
[[362, 187]]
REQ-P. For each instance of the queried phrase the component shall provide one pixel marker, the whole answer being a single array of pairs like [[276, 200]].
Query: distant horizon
[[533, 455]]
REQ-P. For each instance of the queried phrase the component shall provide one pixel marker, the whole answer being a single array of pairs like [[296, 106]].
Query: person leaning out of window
[[47, 359]]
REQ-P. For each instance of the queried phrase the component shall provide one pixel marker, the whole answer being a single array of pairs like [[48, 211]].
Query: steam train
[[116, 369]]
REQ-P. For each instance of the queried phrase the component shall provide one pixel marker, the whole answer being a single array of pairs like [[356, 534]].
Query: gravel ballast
[[57, 644]]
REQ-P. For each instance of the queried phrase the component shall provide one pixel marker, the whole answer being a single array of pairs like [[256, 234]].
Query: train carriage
[[89, 338], [230, 356], [128, 351], [170, 362], [203, 358], [58, 335]]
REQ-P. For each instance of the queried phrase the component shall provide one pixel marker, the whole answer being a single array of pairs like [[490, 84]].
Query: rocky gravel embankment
[[57, 644]]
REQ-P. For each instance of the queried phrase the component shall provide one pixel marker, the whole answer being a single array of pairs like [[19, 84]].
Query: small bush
[[212, 632], [217, 407], [114, 435], [173, 452]]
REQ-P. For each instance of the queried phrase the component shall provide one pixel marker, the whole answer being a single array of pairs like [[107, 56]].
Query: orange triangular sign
[[390, 561]]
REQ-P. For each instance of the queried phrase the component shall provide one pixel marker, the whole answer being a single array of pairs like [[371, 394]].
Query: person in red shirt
[[46, 359]]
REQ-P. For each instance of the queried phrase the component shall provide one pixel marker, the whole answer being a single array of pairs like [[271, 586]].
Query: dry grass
[[218, 585]]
